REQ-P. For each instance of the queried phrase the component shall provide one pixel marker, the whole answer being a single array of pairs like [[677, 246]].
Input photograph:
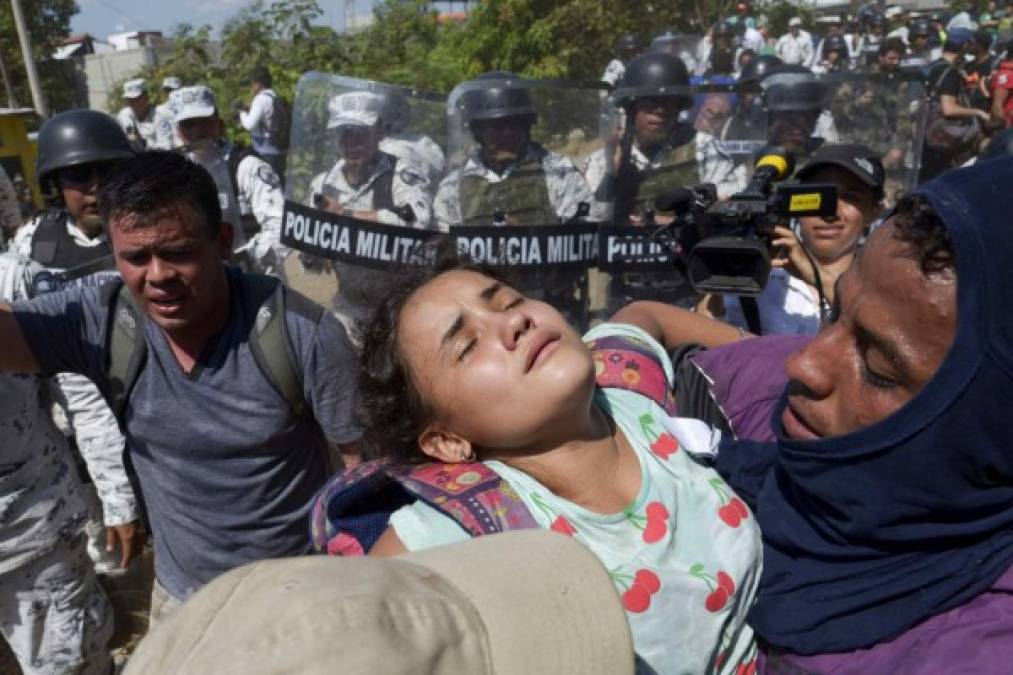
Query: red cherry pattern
[[664, 444], [732, 510], [722, 587], [563, 526], [657, 523], [747, 668], [637, 598]]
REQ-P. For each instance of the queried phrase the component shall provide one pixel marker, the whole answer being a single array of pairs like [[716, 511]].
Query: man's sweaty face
[[891, 330]]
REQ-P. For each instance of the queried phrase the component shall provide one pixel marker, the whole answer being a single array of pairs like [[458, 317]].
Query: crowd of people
[[808, 478]]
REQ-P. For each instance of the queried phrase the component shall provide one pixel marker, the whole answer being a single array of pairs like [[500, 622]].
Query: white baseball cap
[[795, 21], [360, 108], [134, 88], [192, 102], [172, 83], [522, 602], [893, 11]]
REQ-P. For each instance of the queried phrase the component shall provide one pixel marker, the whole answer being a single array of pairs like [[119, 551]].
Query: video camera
[[728, 242]]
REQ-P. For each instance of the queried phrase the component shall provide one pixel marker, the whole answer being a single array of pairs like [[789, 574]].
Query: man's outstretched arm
[[15, 354]]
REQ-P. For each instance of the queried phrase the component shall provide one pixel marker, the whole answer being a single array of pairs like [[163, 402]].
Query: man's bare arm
[[674, 326], [15, 354]]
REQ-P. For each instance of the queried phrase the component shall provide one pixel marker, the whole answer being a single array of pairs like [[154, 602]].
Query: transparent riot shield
[[364, 162], [692, 49], [885, 114], [516, 154], [675, 153]]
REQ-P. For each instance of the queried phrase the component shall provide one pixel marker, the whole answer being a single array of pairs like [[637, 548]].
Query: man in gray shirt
[[226, 467]]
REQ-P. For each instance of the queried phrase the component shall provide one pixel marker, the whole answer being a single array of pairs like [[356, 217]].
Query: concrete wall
[[105, 71]]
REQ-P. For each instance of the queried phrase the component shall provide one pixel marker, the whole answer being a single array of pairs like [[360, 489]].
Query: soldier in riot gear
[[76, 149], [749, 119], [656, 154], [368, 183], [797, 119], [868, 45], [137, 118], [834, 56], [402, 142], [627, 47], [509, 178], [721, 60], [920, 53], [681, 46], [248, 186]]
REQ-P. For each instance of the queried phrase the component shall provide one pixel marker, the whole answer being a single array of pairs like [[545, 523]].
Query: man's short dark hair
[[261, 75], [917, 224], [893, 44], [145, 184]]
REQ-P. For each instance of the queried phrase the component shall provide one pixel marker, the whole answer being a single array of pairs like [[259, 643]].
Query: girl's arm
[[672, 326]]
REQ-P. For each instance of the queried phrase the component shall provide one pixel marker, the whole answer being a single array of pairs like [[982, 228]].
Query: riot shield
[[692, 49], [363, 165], [675, 152], [887, 115], [515, 153]]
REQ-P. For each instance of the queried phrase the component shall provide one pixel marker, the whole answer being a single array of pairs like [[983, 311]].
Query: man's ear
[[445, 446], [224, 241]]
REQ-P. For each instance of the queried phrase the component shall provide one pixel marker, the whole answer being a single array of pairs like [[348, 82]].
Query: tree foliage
[[48, 24], [406, 43]]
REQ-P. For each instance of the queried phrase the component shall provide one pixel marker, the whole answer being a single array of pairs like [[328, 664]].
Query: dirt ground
[[130, 594]]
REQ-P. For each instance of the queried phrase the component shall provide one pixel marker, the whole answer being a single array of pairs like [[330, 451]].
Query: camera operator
[[794, 300]]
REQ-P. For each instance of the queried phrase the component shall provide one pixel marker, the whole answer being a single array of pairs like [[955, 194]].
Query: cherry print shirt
[[684, 556]]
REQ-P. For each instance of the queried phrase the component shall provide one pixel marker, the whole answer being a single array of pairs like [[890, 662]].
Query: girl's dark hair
[[391, 409], [917, 224]]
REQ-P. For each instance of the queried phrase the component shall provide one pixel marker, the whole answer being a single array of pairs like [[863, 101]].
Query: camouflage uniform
[[53, 612], [418, 150], [81, 412], [539, 189], [10, 212]]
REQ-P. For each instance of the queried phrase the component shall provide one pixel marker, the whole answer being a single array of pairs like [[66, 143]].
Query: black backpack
[[281, 123], [266, 298]]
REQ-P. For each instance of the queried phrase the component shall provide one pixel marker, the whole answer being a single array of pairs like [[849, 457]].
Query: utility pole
[[26, 54], [11, 101]]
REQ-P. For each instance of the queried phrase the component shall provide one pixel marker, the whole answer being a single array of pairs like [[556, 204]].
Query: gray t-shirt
[[226, 470]]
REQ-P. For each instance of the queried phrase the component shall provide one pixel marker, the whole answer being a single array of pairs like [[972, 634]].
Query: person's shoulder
[[410, 173], [252, 167], [556, 162]]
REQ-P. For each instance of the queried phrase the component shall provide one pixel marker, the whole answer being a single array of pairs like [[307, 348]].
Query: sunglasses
[[83, 174]]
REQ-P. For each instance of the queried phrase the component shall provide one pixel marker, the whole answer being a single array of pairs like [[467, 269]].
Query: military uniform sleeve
[[22, 243], [101, 445], [410, 188], [567, 188], [260, 187], [447, 205]]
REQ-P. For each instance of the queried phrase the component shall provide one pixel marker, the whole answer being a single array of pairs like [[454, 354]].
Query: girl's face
[[830, 240], [499, 371]]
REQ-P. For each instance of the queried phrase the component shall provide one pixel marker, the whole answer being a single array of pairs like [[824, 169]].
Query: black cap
[[859, 160]]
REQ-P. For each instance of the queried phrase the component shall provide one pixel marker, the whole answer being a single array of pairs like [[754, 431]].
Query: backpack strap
[[266, 299], [353, 509], [126, 348], [626, 363]]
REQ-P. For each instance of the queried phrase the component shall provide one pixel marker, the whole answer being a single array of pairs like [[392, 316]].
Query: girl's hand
[[789, 255]]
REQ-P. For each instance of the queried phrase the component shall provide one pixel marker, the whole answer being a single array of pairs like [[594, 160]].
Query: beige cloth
[[522, 602]]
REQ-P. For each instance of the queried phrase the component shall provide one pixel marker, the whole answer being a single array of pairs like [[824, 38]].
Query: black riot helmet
[[919, 28], [792, 88], [497, 96], [653, 75], [877, 20], [724, 29], [832, 43], [627, 43], [756, 70], [79, 137]]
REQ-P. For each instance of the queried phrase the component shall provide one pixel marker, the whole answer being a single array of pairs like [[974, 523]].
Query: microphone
[[773, 164]]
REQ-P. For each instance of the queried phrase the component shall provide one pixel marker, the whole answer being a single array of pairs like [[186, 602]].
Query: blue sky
[[102, 17]]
